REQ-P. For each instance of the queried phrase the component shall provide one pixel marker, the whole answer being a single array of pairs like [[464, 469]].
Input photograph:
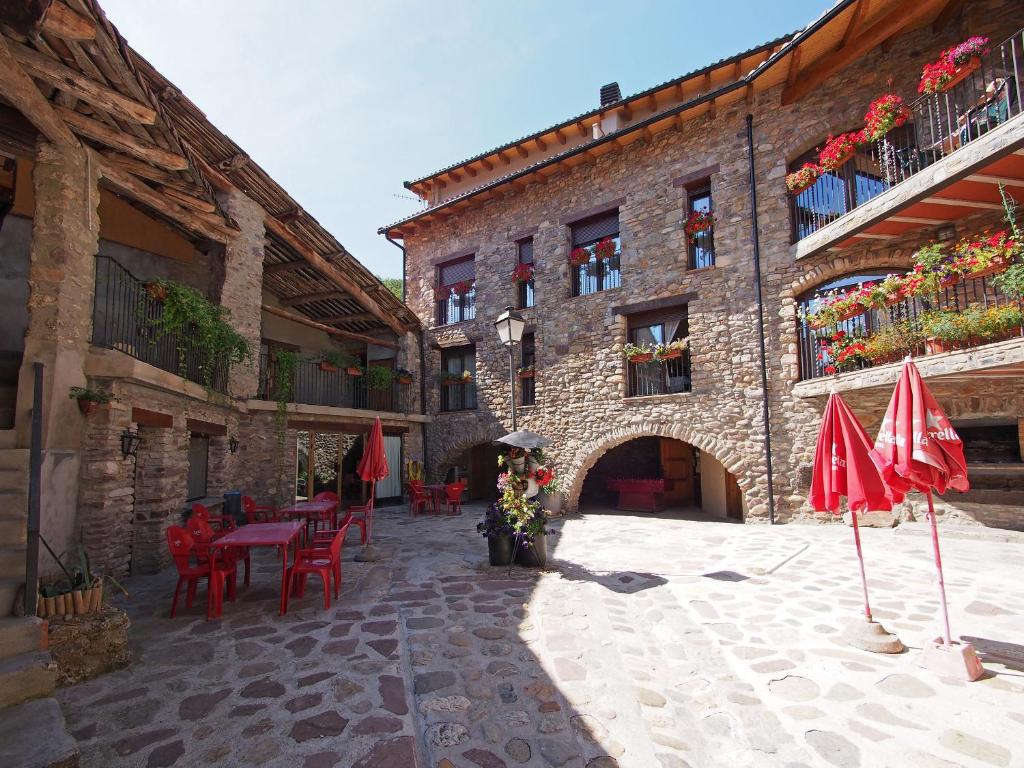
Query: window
[[456, 291], [701, 245], [526, 297], [458, 371], [198, 463], [527, 375], [596, 274], [665, 375]]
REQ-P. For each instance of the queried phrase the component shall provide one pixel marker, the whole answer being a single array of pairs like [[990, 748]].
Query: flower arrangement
[[459, 377], [605, 249], [839, 149], [579, 257], [892, 343], [544, 477], [798, 181], [697, 222], [671, 350], [843, 351], [884, 114], [985, 256], [523, 273], [953, 65], [463, 287], [442, 293], [404, 376], [638, 353], [526, 372], [835, 306]]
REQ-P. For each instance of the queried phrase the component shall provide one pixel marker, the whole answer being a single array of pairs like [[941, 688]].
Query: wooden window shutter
[[590, 230], [457, 271]]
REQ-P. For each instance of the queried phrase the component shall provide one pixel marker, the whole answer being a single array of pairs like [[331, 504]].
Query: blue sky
[[342, 101]]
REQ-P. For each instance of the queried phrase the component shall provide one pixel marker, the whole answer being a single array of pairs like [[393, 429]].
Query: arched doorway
[[656, 474]]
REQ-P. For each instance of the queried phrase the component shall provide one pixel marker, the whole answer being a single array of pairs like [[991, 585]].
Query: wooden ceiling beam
[[504, 158], [334, 274], [309, 298], [189, 201], [115, 139], [285, 266], [652, 102], [330, 329], [355, 317], [794, 66], [541, 144], [899, 18], [65, 23], [985, 178], [469, 170], [81, 87], [521, 150], [560, 136], [454, 176], [581, 129], [21, 91], [963, 203], [487, 164], [854, 26]]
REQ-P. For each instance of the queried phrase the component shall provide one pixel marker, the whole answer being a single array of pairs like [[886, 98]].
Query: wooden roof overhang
[[846, 31], [66, 70]]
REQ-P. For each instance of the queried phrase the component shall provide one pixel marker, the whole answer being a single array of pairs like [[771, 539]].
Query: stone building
[[633, 170]]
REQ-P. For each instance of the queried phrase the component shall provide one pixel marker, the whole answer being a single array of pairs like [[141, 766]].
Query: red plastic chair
[[220, 524], [323, 559], [333, 515], [364, 519], [419, 499], [258, 513], [453, 498], [183, 549], [203, 536]]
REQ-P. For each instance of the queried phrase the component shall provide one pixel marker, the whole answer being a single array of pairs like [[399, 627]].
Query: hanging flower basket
[[579, 257], [605, 250], [463, 287], [953, 66], [839, 150], [88, 407], [884, 114], [802, 179], [998, 265], [157, 292], [523, 273], [697, 222], [443, 293]]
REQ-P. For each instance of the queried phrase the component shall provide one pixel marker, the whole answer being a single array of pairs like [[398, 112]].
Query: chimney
[[610, 94]]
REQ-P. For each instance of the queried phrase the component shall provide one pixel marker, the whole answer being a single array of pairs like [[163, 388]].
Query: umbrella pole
[[938, 564], [860, 559]]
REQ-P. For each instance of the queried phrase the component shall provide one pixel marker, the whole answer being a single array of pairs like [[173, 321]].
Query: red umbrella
[[843, 467], [918, 449], [373, 465]]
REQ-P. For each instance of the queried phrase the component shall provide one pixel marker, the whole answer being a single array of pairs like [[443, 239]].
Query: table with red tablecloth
[[280, 535], [638, 494]]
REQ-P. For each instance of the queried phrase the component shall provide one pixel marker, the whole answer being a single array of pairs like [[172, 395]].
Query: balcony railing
[[905, 321], [658, 377], [457, 308], [458, 396], [702, 249], [940, 124], [123, 319], [314, 386]]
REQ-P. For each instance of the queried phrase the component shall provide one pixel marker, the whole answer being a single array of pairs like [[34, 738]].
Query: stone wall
[[580, 381], [161, 474]]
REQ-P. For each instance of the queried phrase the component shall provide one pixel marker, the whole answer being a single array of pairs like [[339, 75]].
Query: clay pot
[[327, 367], [645, 358], [936, 346], [87, 407], [354, 371], [405, 380]]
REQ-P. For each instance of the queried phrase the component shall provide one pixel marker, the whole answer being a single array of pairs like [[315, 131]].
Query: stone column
[[242, 288], [161, 479]]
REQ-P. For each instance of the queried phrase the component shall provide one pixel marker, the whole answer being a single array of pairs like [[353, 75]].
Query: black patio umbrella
[[523, 438]]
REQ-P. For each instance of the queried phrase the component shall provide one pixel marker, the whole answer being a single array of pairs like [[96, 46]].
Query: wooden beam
[[195, 203], [335, 274], [286, 266], [123, 142], [470, 170], [65, 23], [963, 203], [581, 129], [652, 102], [916, 220], [541, 144], [81, 87], [23, 18], [504, 158], [136, 190], [794, 66], [854, 26], [454, 176], [21, 91], [874, 236], [309, 298], [560, 136], [899, 18], [985, 178], [144, 170], [329, 329], [627, 113], [355, 317], [522, 151], [487, 164]]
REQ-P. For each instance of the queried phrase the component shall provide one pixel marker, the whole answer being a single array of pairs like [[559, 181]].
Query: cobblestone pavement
[[647, 643]]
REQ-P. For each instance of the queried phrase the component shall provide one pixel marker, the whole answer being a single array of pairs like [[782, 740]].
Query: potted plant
[[884, 114], [442, 293], [605, 250], [462, 287], [495, 527], [550, 496], [892, 290], [953, 66], [531, 546], [157, 290], [985, 256], [90, 399], [404, 376], [579, 257], [526, 372], [1000, 323], [844, 351], [839, 149], [801, 179], [672, 350], [944, 330], [697, 222], [891, 344], [378, 377], [638, 353], [523, 273], [332, 360]]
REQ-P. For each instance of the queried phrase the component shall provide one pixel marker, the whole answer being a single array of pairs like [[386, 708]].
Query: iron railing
[[312, 385], [659, 377], [125, 317], [816, 360], [596, 275], [702, 249], [457, 308], [939, 125], [458, 396]]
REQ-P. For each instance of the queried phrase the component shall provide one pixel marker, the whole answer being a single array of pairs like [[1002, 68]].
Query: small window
[[527, 371], [700, 242], [458, 374], [526, 295], [595, 274], [668, 373], [456, 291], [198, 464]]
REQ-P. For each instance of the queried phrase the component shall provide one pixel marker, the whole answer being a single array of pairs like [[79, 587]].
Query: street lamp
[[510, 326]]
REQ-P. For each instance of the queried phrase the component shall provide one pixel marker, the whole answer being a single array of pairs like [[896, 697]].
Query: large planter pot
[[499, 549], [533, 555], [937, 346], [551, 502]]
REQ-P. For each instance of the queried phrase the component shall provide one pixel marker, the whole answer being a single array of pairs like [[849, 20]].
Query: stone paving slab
[[647, 643]]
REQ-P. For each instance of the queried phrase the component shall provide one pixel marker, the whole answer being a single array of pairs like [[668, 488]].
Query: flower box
[[998, 265], [936, 346], [644, 357], [405, 380], [353, 371], [802, 179], [962, 73], [950, 281], [327, 367], [527, 374], [670, 354]]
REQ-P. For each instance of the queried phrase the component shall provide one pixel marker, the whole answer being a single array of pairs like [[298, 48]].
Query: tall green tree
[[393, 284]]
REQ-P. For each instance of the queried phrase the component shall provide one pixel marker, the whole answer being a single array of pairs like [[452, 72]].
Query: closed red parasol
[[918, 449], [843, 467], [373, 465]]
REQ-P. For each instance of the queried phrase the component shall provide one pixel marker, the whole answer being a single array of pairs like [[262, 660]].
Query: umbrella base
[[957, 660], [871, 636], [368, 554]]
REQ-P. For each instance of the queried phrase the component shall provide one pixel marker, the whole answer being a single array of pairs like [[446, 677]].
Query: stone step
[[21, 635], [8, 592], [27, 676], [34, 735], [989, 496], [12, 563], [13, 527]]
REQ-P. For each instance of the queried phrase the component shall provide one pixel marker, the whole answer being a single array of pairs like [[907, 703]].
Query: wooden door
[[677, 470], [733, 497]]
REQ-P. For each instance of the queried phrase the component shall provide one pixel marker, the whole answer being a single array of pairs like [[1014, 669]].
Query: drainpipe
[[760, 323], [423, 364]]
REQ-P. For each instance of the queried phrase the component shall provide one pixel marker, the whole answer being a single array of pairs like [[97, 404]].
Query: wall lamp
[[233, 445], [130, 442]]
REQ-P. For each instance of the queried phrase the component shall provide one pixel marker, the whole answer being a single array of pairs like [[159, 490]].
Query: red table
[[312, 510], [437, 495], [638, 494], [265, 535]]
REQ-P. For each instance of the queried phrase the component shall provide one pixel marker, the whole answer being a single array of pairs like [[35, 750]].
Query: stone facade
[[581, 378]]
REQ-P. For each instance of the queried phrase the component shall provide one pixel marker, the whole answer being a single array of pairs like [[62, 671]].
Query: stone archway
[[458, 440], [584, 458]]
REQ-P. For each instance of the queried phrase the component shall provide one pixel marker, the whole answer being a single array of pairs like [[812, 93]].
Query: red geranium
[[579, 256], [523, 273], [605, 249], [463, 287], [544, 476], [800, 180], [699, 221], [884, 114], [838, 149]]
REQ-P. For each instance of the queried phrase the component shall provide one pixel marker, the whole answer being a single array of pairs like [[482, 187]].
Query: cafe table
[[436, 492], [312, 511], [280, 535]]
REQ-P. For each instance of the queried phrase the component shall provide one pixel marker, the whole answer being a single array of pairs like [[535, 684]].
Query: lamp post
[[510, 325]]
